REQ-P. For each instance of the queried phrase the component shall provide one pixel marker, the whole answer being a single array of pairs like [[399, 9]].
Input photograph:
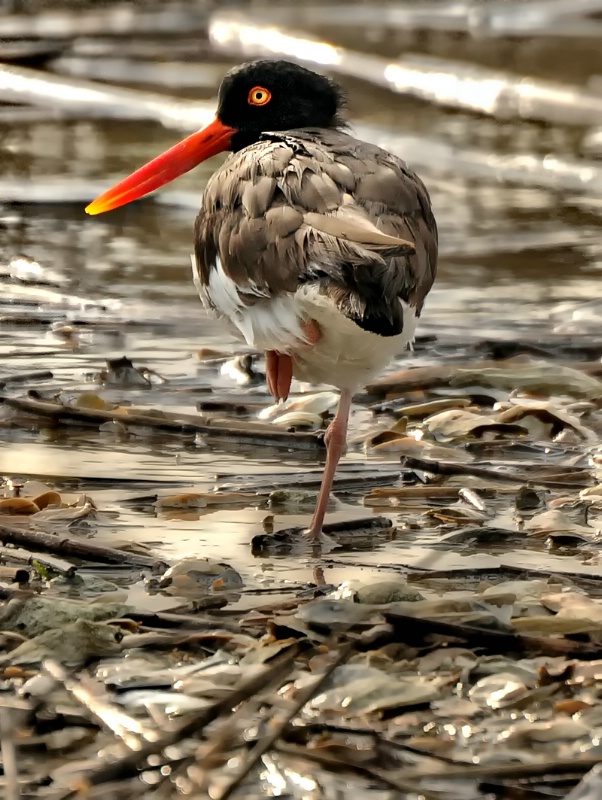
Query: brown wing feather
[[321, 206]]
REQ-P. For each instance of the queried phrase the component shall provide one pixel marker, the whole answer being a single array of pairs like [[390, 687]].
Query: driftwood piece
[[559, 476], [66, 546], [252, 432], [427, 492]]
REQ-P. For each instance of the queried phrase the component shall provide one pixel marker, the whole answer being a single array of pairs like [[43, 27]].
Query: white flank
[[345, 356], [223, 291], [268, 323], [274, 324]]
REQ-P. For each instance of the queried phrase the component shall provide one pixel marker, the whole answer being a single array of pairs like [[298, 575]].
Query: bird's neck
[[242, 139]]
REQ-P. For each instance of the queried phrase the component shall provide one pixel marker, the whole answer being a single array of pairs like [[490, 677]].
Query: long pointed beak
[[181, 158]]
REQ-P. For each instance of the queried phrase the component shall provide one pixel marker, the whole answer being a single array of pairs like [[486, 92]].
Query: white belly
[[345, 355]]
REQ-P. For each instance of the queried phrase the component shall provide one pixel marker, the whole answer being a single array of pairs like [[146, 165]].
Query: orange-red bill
[[180, 158]]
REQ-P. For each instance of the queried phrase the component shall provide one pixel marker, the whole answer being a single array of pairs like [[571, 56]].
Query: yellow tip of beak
[[95, 208]]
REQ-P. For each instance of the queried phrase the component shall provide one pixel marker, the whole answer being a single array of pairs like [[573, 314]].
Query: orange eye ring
[[259, 96]]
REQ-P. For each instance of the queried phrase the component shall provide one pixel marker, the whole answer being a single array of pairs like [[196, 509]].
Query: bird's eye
[[258, 96]]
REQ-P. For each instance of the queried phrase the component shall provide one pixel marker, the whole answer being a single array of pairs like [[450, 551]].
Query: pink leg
[[336, 436]]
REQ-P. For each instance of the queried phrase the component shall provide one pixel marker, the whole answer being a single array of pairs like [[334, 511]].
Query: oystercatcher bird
[[320, 248]]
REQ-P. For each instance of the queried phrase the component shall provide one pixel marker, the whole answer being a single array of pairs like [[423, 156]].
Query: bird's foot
[[315, 537]]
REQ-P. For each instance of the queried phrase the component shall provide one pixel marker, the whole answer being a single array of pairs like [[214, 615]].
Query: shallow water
[[517, 261]]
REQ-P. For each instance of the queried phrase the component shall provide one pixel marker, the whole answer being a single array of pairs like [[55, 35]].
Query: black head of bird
[[276, 96], [253, 98]]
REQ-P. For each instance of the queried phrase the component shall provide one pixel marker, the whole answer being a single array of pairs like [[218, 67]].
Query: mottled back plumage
[[317, 206]]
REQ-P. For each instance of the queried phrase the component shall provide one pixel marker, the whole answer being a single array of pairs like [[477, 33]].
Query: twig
[[572, 476], [474, 771], [132, 760], [66, 546], [167, 640], [311, 481], [401, 786], [22, 556], [491, 640], [411, 492], [267, 742], [110, 716], [9, 756], [174, 619]]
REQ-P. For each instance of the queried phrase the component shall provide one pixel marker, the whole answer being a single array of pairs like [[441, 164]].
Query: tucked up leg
[[336, 437], [279, 366], [279, 374]]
